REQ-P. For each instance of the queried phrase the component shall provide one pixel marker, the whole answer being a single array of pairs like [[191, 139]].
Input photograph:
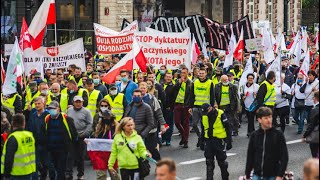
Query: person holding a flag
[[308, 89]]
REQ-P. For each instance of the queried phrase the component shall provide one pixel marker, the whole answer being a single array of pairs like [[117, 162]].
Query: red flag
[[239, 50], [126, 63], [45, 15], [3, 72], [195, 50], [25, 41]]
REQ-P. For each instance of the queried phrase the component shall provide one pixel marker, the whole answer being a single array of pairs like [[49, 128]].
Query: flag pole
[[55, 40]]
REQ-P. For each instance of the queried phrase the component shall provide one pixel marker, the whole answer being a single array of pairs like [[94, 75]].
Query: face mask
[[56, 94], [113, 92], [199, 62], [103, 109], [38, 81], [162, 72], [53, 112], [136, 99], [71, 91], [225, 83], [118, 82], [124, 79], [46, 92], [299, 81], [96, 81]]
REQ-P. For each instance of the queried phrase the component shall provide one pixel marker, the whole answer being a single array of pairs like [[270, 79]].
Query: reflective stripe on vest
[[270, 91], [202, 92], [64, 116], [24, 162], [92, 102], [181, 93], [237, 76], [225, 100], [218, 130], [8, 103], [116, 105]]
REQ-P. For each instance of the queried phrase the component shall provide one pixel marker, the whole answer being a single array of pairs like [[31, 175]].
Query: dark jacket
[[84, 96], [143, 118], [103, 90], [267, 153], [262, 91], [161, 93], [289, 78], [153, 102], [35, 125], [192, 95], [170, 96], [212, 116], [314, 117], [233, 95], [187, 95], [67, 141]]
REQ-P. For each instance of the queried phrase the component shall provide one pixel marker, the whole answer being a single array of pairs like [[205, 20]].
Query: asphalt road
[[191, 162]]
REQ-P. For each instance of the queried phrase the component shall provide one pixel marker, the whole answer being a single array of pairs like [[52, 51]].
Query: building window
[[270, 11], [251, 10]]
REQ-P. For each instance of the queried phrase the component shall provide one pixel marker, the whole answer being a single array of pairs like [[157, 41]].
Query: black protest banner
[[125, 23], [196, 23], [220, 33]]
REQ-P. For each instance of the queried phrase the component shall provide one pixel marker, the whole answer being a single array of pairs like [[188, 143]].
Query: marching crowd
[[44, 125]]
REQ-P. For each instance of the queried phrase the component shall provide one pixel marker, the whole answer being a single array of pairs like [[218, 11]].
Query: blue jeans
[[255, 177], [26, 177], [308, 111], [168, 116], [299, 115]]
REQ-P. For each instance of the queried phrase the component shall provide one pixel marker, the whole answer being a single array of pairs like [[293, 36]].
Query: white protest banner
[[113, 42], [53, 58], [164, 48], [8, 49], [254, 44]]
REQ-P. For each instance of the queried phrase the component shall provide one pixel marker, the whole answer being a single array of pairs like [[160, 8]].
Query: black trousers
[[314, 150], [59, 159], [282, 113], [215, 148], [130, 174], [76, 156], [250, 116], [151, 143]]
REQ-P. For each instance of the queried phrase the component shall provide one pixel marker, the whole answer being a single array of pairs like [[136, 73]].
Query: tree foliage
[[310, 3]]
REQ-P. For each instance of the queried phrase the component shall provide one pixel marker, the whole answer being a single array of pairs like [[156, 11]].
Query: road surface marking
[[194, 178], [200, 160], [294, 141]]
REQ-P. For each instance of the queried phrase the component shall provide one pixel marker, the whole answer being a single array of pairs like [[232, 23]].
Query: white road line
[[294, 141], [194, 178], [200, 160]]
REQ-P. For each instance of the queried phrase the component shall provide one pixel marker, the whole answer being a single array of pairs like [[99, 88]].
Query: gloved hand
[[229, 146]]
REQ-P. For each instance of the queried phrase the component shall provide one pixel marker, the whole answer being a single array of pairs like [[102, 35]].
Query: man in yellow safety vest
[[94, 97], [117, 101]]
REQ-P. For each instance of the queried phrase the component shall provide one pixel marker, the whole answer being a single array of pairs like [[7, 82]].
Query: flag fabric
[[229, 54], [3, 72], [46, 15], [294, 43], [239, 49], [25, 40], [316, 40], [268, 46], [248, 69], [304, 43], [14, 70], [204, 50], [297, 55], [280, 41], [134, 56], [220, 34], [99, 151], [195, 50], [276, 67], [305, 65]]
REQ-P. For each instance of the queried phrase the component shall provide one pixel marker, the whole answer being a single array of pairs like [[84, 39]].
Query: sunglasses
[[104, 106]]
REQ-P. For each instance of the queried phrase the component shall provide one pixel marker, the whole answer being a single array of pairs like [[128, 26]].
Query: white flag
[[276, 67], [268, 46], [306, 64], [229, 57]]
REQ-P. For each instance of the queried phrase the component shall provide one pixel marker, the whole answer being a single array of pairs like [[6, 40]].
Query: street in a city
[[191, 162]]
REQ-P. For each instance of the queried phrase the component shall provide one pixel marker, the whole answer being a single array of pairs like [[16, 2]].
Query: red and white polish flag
[[239, 50], [25, 37], [126, 63], [46, 15]]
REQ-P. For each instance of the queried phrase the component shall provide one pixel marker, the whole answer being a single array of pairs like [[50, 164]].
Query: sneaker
[[235, 134], [185, 145], [181, 143], [294, 122], [80, 178], [168, 143]]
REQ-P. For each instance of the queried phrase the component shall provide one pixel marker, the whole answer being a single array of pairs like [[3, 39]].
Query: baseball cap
[[236, 63], [32, 84], [205, 107], [53, 105], [77, 98], [230, 74], [89, 81], [112, 86], [37, 74]]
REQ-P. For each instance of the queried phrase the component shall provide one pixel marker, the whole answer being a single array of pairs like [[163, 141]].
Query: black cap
[[230, 74], [37, 74], [89, 81], [32, 84], [112, 86], [205, 107]]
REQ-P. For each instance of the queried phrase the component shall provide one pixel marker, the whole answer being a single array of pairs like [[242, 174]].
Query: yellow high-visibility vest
[[24, 162], [202, 92], [225, 99], [271, 93], [64, 120], [181, 93], [116, 105], [8, 103], [92, 102], [29, 99], [218, 130], [237, 75]]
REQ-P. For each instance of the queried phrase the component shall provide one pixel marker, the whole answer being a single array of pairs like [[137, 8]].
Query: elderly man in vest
[[117, 101], [94, 97], [18, 156], [227, 100], [73, 91], [60, 96]]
